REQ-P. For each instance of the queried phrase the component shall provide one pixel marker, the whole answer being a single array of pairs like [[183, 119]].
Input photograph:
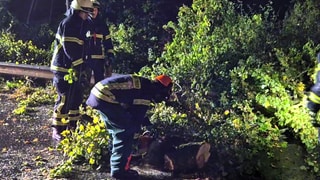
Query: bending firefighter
[[69, 68], [122, 102], [100, 46]]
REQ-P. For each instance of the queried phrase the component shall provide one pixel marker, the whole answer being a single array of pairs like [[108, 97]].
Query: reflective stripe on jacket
[[128, 91]]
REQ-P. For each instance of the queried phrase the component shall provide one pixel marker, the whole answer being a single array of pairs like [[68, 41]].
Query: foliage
[[243, 76], [249, 95], [19, 52], [137, 32], [87, 143], [29, 97]]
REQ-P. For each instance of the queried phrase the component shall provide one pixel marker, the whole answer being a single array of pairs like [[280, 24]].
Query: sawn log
[[166, 155]]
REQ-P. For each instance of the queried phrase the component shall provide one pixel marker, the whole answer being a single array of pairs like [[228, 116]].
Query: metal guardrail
[[42, 72], [26, 70]]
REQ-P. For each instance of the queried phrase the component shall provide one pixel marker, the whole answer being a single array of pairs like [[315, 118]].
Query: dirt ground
[[26, 152], [26, 149]]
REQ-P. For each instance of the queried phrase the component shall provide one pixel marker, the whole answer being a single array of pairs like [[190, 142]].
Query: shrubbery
[[243, 76], [20, 52]]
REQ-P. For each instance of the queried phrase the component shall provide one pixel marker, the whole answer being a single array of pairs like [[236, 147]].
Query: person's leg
[[314, 105], [60, 114], [122, 140]]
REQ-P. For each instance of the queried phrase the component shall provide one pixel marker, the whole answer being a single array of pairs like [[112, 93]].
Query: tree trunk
[[165, 155], [191, 156]]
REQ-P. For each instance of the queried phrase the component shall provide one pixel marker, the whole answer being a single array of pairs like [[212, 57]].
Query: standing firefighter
[[100, 46], [314, 97], [122, 102], [68, 66]]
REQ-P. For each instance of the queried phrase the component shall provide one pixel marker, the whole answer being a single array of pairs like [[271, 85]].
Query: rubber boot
[[126, 175], [56, 134]]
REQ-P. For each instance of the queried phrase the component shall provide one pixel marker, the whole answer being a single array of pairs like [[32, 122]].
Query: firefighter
[[313, 103], [68, 66], [100, 46], [122, 102]]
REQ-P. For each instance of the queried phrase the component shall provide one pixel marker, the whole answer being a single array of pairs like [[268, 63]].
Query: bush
[[243, 77], [19, 52]]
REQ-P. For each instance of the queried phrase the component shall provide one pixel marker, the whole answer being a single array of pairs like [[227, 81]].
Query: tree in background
[[243, 78]]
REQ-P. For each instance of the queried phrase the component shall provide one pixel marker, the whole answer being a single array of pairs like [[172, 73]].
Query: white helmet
[[95, 3], [82, 5]]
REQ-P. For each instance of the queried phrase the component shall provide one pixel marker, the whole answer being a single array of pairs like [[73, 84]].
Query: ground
[[26, 150]]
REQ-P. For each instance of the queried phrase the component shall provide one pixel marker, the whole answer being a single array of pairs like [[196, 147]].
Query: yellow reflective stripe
[[104, 90], [58, 123], [77, 62], [97, 56], [314, 98], [110, 51], [59, 116], [69, 39], [123, 85], [136, 82], [73, 112], [107, 37], [316, 73], [100, 36], [74, 118], [61, 104], [141, 102], [56, 68], [103, 97], [72, 39], [56, 50]]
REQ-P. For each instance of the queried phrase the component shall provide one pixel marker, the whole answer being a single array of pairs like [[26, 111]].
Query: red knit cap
[[164, 80]]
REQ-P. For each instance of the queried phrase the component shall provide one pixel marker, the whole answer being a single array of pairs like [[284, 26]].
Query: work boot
[[126, 175], [56, 134]]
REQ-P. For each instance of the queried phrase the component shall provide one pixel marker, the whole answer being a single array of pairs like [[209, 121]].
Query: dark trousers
[[70, 97], [98, 68], [314, 98], [121, 127]]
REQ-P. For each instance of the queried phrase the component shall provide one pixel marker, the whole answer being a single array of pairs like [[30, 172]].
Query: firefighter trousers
[[70, 97], [121, 127]]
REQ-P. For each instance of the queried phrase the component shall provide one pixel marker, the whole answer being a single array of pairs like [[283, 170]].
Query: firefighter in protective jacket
[[68, 66], [100, 46], [122, 102], [314, 94]]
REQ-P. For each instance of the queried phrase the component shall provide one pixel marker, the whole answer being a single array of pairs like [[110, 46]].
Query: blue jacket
[[100, 43], [69, 44], [131, 92]]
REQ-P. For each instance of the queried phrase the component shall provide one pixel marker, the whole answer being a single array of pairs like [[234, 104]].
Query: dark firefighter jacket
[[314, 95], [100, 43], [69, 44], [125, 91]]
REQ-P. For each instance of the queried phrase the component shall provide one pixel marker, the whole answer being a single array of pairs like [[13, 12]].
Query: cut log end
[[203, 155], [188, 156]]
